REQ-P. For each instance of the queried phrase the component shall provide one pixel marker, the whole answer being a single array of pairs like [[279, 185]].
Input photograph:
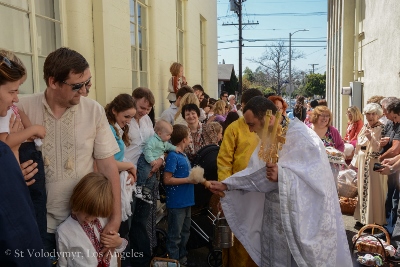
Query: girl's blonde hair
[[219, 107], [175, 68], [189, 98], [93, 196], [356, 114]]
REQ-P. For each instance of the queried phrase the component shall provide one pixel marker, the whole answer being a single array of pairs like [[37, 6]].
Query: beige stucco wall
[[364, 47], [100, 30], [163, 46]]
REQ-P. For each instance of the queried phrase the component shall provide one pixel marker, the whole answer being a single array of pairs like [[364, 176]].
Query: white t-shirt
[[5, 122]]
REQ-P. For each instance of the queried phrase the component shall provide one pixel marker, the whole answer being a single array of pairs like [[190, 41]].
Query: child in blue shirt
[[154, 148], [180, 195]]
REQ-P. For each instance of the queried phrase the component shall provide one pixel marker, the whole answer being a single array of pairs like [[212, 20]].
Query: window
[[31, 29], [139, 44], [202, 47], [179, 31]]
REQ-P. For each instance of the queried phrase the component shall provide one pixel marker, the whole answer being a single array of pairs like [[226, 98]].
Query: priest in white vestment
[[286, 214]]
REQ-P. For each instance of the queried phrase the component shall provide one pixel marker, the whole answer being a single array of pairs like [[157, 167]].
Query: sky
[[276, 18]]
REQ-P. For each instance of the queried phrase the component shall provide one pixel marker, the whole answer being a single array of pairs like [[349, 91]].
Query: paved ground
[[200, 255]]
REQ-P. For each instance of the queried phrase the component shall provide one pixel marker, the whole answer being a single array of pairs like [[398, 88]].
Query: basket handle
[[355, 242], [164, 260], [369, 226]]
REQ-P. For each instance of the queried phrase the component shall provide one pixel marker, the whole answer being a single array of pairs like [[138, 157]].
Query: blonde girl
[[82, 233]]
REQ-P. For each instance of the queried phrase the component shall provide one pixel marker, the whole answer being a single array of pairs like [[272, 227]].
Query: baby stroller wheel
[[214, 258], [161, 249]]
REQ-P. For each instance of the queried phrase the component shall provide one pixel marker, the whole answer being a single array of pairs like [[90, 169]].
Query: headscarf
[[210, 132]]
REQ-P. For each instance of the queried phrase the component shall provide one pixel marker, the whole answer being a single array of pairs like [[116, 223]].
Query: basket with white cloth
[[347, 183]]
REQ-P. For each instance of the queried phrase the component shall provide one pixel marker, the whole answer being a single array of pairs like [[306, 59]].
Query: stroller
[[201, 229]]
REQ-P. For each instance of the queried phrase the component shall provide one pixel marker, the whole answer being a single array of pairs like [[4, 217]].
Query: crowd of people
[[81, 181]]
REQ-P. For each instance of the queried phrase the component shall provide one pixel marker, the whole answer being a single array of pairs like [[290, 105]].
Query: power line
[[273, 40], [280, 15], [297, 46]]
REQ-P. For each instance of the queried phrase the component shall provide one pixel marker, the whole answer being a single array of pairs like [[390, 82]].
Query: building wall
[[363, 45], [163, 49], [100, 31]]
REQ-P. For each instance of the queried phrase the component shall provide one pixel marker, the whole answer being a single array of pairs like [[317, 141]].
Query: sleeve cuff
[[123, 246]]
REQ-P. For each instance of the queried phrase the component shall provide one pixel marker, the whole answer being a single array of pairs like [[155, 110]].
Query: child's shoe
[[139, 192], [147, 197]]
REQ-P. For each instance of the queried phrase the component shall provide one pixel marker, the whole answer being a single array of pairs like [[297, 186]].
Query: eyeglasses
[[224, 96], [78, 86]]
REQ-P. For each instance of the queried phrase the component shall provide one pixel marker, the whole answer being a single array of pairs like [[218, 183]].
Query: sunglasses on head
[[6, 62], [77, 86], [12, 65]]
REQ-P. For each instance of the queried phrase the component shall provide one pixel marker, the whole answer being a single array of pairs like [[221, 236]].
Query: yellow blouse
[[234, 155], [236, 149]]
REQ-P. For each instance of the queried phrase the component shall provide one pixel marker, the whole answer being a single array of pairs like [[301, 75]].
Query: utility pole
[[240, 46], [313, 67], [236, 6], [290, 63]]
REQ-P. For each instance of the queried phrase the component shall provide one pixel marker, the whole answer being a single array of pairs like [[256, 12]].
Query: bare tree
[[275, 63]]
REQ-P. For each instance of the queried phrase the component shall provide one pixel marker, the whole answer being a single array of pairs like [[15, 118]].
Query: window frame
[[180, 32], [37, 73], [137, 59]]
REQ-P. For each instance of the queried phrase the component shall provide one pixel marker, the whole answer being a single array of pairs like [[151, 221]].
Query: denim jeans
[[392, 201], [178, 232], [143, 170], [138, 237], [27, 151]]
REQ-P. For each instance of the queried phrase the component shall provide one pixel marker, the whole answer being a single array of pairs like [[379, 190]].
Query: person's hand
[[29, 169], [368, 134], [15, 124], [385, 170], [184, 82], [40, 131], [390, 161], [217, 187], [156, 166], [111, 239], [384, 141], [153, 170], [132, 174], [272, 172]]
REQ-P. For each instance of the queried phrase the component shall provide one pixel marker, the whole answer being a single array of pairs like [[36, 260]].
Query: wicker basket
[[348, 205], [347, 190], [372, 248], [163, 262]]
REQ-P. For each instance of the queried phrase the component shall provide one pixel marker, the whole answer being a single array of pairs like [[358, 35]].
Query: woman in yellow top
[[237, 146]]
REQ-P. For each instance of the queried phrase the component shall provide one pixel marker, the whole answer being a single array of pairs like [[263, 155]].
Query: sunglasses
[[7, 62], [77, 86], [11, 64]]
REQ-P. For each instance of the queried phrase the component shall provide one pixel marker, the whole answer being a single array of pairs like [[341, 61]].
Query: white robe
[[296, 221]]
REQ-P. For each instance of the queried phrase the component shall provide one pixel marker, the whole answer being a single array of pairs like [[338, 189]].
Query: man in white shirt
[[170, 112], [77, 136]]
